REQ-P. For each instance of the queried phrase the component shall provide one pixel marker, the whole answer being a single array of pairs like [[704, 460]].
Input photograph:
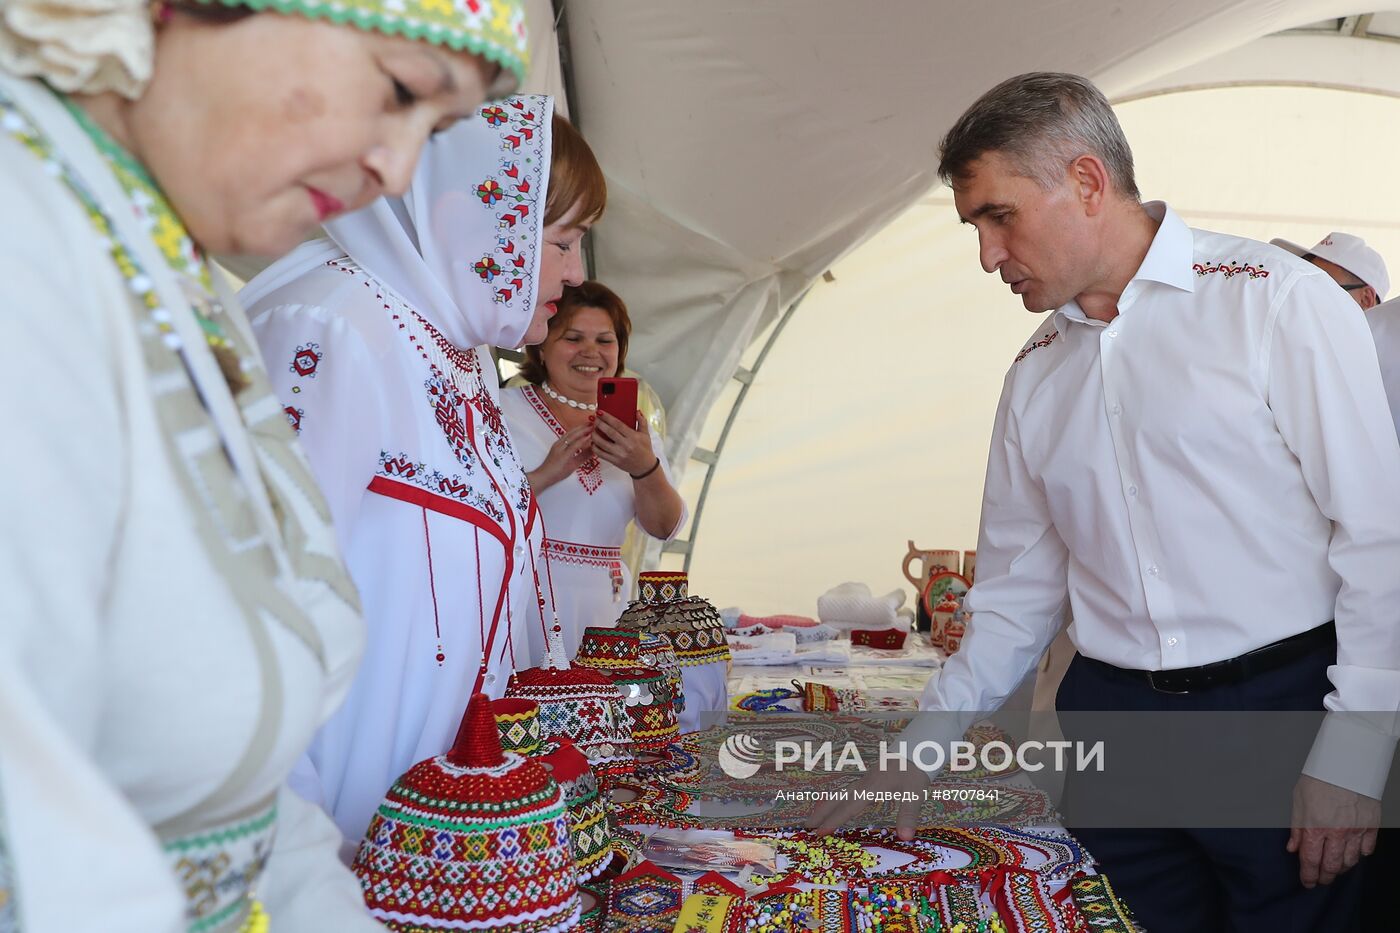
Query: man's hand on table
[[831, 815], [1332, 829]]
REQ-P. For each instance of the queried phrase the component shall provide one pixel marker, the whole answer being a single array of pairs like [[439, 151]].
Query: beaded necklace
[[168, 232]]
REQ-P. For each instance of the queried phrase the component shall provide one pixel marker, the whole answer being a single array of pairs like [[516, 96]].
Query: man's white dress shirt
[[1212, 471], [1384, 319]]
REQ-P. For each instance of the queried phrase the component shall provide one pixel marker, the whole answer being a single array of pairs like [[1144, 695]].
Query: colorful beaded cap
[[590, 828], [607, 649], [655, 650], [650, 706], [518, 722], [493, 29], [474, 839], [695, 630], [659, 585], [582, 705]]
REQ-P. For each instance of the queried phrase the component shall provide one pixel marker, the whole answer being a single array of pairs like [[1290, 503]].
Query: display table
[[997, 860]]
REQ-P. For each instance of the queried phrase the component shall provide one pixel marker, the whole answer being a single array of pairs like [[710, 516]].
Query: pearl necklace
[[584, 406]]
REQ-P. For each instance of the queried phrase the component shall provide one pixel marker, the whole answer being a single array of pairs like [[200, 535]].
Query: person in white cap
[[1351, 264]]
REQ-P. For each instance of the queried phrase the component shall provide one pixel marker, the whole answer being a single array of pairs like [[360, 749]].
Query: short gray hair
[[1041, 121]]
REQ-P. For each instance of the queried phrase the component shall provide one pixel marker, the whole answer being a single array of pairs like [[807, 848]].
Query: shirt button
[[1132, 490], [489, 679], [1171, 642], [1152, 570], [1112, 333], [1118, 409], [519, 549]]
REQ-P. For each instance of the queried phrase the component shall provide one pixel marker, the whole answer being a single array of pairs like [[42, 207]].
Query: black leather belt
[[1233, 670]]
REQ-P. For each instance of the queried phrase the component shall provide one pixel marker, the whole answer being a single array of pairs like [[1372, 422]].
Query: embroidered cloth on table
[[1100, 907], [671, 766], [587, 555], [646, 899], [218, 868], [888, 639], [1025, 903]]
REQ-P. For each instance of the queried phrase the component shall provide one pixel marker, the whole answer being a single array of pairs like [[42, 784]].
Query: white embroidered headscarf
[[462, 247]]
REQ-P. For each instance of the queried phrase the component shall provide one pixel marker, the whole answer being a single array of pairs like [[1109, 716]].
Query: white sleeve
[[324, 372], [658, 447], [305, 885], [1325, 392], [1019, 602], [72, 838]]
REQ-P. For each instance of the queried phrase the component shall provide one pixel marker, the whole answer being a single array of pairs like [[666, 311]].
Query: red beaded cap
[[477, 745]]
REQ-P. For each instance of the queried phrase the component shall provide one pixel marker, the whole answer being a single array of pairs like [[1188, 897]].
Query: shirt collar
[[1172, 252], [1168, 261]]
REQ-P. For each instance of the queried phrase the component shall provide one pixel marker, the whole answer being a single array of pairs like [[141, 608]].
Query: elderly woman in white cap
[[175, 621], [374, 338]]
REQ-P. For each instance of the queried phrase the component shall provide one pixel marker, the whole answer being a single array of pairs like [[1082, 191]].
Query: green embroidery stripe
[[401, 816], [226, 835], [497, 46]]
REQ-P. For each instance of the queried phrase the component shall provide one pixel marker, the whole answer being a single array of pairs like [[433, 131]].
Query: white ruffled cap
[[79, 46]]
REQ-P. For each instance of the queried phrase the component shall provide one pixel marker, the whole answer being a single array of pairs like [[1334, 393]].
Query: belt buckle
[[1162, 685]]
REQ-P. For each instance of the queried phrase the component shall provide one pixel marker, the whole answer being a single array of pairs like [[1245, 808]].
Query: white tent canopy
[[749, 145]]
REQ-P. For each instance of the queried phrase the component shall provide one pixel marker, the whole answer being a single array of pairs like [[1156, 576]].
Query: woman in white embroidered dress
[[370, 338], [175, 621], [593, 474]]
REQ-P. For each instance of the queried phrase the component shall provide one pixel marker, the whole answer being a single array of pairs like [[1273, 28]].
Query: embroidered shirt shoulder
[[1044, 337]]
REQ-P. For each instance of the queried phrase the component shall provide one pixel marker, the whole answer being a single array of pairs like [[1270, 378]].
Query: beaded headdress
[[582, 705], [83, 47], [654, 650], [607, 649], [476, 839], [654, 586], [590, 831]]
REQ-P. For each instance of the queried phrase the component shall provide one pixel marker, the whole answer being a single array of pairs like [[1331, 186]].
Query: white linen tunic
[[586, 515], [433, 513], [1212, 471], [174, 621]]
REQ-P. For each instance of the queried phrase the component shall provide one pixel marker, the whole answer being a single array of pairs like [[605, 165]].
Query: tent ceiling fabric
[[748, 146]]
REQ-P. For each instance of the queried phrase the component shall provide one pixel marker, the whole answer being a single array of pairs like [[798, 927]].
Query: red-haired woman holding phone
[[591, 472]]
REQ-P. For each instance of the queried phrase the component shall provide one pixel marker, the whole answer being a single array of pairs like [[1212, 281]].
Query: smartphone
[[618, 397]]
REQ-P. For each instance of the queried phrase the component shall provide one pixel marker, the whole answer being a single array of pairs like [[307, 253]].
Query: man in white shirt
[[1192, 454], [1353, 265]]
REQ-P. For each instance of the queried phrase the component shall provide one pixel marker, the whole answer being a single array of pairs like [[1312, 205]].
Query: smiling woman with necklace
[[591, 473]]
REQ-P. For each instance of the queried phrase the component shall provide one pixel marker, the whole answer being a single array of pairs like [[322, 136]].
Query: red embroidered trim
[[417, 496], [1230, 269], [591, 555], [590, 472], [1042, 342]]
